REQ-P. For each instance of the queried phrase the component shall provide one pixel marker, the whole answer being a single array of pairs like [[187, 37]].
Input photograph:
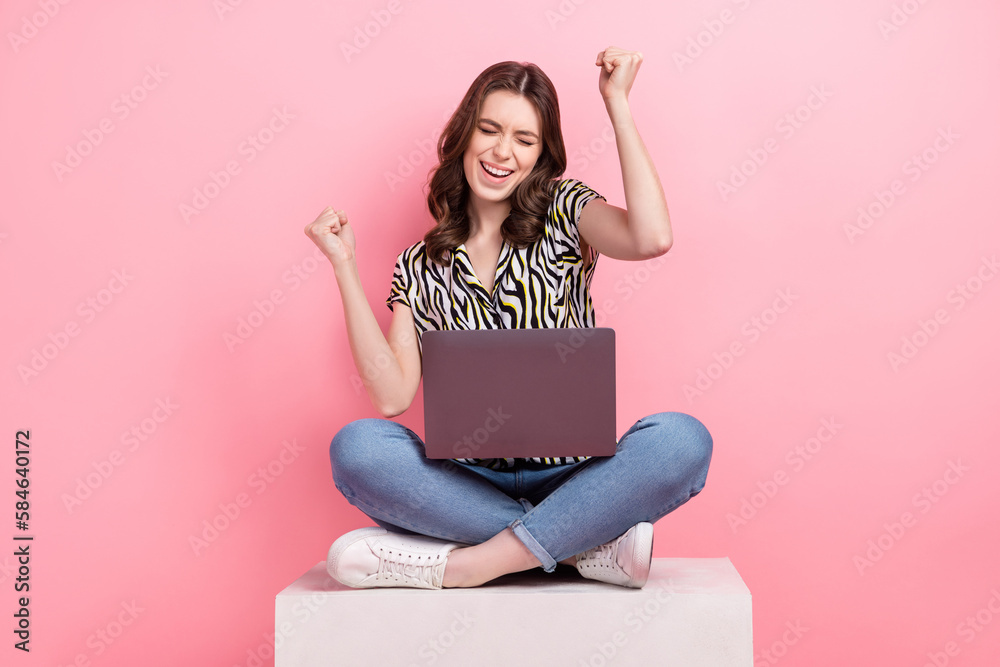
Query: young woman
[[514, 246]]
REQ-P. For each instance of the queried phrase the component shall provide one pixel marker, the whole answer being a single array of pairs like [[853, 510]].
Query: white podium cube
[[692, 612]]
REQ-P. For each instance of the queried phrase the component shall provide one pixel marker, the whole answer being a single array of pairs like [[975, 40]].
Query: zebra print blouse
[[543, 285]]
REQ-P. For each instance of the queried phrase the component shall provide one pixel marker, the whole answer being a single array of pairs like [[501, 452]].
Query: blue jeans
[[556, 511]]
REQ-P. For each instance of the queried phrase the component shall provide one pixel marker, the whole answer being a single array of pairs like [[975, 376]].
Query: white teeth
[[496, 172]]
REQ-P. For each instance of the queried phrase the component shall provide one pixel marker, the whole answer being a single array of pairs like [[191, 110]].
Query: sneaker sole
[[338, 548], [642, 554]]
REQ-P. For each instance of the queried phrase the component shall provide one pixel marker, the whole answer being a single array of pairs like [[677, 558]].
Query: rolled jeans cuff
[[548, 564]]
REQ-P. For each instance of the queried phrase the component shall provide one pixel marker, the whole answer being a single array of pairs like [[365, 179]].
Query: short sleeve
[[399, 289], [570, 198]]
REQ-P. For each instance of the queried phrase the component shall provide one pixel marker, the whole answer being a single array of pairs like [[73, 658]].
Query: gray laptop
[[519, 393]]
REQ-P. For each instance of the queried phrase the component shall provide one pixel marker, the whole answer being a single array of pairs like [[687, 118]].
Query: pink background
[[356, 131]]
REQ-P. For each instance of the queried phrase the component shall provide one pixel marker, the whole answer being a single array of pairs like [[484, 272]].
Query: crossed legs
[[517, 520]]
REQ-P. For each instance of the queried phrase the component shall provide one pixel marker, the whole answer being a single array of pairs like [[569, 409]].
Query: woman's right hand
[[334, 236]]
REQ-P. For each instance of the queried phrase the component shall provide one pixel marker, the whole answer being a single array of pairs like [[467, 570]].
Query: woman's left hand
[[618, 70]]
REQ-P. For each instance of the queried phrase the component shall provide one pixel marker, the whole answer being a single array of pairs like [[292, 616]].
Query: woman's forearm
[[378, 366], [648, 218]]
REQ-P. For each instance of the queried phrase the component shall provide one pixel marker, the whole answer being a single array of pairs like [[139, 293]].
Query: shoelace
[[400, 566], [605, 555]]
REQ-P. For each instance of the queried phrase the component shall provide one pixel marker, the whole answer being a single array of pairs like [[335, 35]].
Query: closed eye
[[523, 142]]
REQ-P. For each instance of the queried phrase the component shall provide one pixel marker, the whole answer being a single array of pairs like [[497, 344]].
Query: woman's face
[[508, 139]]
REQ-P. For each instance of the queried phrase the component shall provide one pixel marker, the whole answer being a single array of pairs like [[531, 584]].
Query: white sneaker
[[374, 557], [624, 561]]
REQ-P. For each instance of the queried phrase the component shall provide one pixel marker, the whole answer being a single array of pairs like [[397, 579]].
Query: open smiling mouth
[[496, 174]]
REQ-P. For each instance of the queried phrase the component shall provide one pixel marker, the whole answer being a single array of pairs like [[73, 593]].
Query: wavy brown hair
[[530, 200]]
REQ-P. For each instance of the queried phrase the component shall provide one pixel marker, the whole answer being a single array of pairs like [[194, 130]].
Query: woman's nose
[[502, 147]]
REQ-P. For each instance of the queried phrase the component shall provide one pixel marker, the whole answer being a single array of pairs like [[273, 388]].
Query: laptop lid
[[519, 393]]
